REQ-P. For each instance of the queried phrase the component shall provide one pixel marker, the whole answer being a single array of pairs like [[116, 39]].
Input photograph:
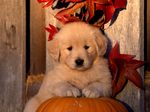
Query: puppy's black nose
[[79, 62]]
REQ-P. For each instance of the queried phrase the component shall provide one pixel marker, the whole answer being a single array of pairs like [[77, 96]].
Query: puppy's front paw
[[66, 90], [91, 92], [72, 91]]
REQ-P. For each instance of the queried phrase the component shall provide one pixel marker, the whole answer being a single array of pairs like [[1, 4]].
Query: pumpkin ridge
[[44, 105], [78, 105], [96, 106], [120, 105], [89, 106], [103, 102], [57, 104], [63, 106], [98, 103], [51, 103], [93, 101], [71, 104], [111, 106]]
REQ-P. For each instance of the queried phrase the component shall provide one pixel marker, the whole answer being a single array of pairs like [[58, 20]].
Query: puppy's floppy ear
[[53, 49], [101, 42]]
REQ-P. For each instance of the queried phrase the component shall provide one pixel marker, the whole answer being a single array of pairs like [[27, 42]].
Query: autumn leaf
[[71, 9], [120, 3], [109, 12], [74, 1], [124, 67], [131, 73], [110, 8], [89, 4], [47, 2], [107, 6], [67, 18], [91, 7], [52, 30], [65, 15]]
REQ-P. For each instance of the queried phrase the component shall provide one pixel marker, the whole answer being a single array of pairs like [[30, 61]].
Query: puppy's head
[[77, 45]]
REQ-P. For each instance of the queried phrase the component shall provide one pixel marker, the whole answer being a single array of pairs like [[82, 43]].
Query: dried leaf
[[107, 6], [118, 83], [102, 1], [91, 8], [109, 12], [131, 73], [75, 1], [120, 3], [67, 18], [40, 1], [71, 9], [124, 67], [47, 2], [65, 15], [52, 30]]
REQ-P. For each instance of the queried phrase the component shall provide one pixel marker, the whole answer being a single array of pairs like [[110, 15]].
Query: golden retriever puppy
[[81, 70]]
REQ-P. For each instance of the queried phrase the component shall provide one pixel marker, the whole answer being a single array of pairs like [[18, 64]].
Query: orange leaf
[[102, 1], [48, 2], [74, 1], [67, 18], [91, 8]]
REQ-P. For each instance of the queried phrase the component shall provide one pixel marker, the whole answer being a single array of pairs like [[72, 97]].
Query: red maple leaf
[[52, 30], [124, 67]]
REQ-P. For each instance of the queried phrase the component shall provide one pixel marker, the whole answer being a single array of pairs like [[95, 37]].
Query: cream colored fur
[[93, 79]]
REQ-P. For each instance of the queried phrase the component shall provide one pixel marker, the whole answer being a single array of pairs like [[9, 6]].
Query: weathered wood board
[[148, 33], [147, 92], [12, 55], [147, 75], [37, 38], [128, 30]]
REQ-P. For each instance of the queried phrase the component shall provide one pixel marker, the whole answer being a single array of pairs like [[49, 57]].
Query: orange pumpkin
[[70, 104]]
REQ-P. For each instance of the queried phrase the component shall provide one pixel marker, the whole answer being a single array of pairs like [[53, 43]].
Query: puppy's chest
[[80, 82]]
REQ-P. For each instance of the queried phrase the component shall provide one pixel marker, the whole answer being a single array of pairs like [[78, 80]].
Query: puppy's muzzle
[[79, 62]]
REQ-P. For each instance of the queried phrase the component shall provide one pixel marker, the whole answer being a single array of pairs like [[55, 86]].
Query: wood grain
[[128, 30], [148, 33], [37, 38], [147, 75], [12, 55], [147, 91]]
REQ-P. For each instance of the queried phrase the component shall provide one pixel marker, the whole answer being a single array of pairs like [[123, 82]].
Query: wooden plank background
[[147, 75], [12, 55], [37, 38], [148, 33], [128, 30], [147, 91]]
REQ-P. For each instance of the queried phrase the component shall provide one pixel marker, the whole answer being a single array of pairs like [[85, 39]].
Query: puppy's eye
[[69, 48], [86, 47]]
